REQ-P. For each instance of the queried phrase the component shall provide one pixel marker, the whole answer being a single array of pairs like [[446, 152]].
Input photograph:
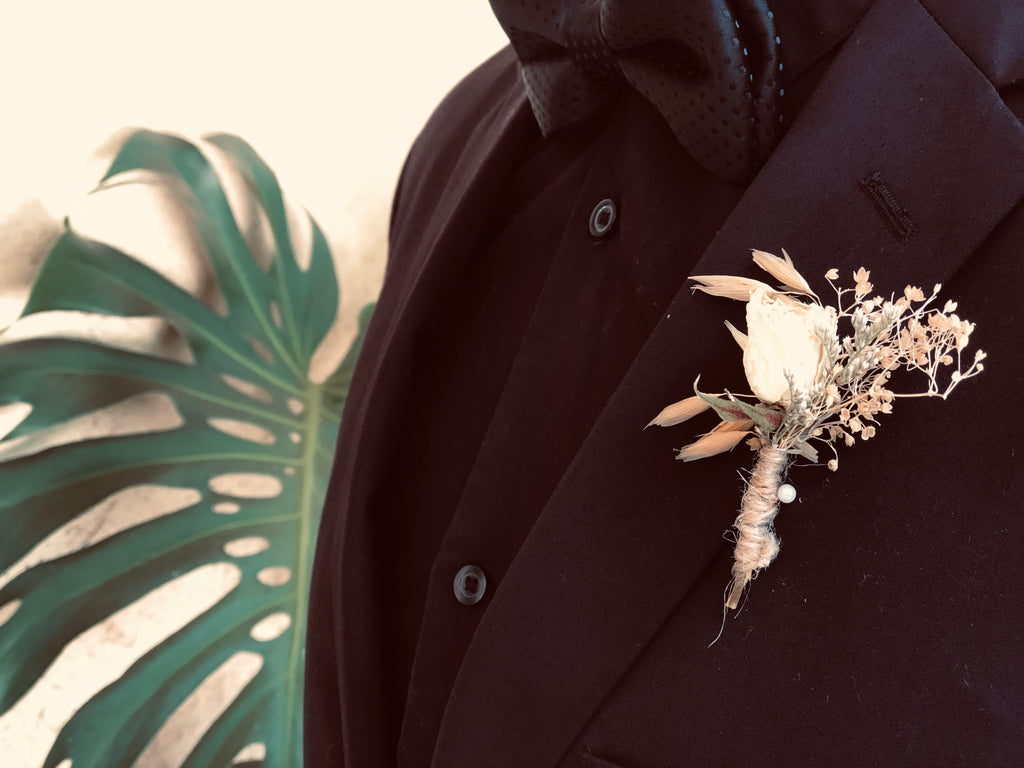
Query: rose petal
[[738, 336]]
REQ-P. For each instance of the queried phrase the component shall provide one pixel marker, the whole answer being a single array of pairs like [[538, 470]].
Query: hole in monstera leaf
[[243, 430], [270, 628], [296, 406], [275, 576], [182, 731], [246, 206], [246, 547], [161, 231], [261, 350], [149, 412], [104, 652], [275, 314], [65, 763], [226, 508], [247, 388], [247, 485], [251, 753], [11, 608], [120, 511], [295, 437], [301, 227], [11, 415], [289, 471], [151, 336]]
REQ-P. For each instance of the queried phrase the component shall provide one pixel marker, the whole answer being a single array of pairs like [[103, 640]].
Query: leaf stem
[[308, 519]]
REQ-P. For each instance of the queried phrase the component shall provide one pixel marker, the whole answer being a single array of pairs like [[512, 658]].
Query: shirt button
[[470, 585], [602, 218]]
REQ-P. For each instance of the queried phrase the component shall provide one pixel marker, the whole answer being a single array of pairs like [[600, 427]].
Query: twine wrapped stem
[[756, 543]]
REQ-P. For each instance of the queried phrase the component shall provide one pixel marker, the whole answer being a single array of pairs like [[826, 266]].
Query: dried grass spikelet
[[679, 412], [729, 286], [743, 425], [724, 437], [756, 543], [782, 269]]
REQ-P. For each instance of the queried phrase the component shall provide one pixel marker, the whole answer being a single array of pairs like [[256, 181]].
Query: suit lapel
[[903, 161]]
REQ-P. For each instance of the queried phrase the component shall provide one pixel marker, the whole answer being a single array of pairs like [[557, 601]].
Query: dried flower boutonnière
[[812, 387]]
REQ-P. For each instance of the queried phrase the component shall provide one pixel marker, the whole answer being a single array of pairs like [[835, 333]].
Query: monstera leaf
[[246, 410]]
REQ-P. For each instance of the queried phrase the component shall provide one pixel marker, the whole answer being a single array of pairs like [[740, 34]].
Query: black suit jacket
[[887, 632]]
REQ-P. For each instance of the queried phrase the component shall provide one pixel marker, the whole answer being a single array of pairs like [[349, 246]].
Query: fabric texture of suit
[[887, 631]]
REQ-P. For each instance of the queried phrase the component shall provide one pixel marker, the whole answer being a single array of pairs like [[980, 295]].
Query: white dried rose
[[784, 338]]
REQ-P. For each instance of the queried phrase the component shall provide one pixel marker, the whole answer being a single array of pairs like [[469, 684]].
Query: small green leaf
[[766, 418], [729, 410]]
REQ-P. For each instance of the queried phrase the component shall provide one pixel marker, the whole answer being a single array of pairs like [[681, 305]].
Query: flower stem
[[756, 543]]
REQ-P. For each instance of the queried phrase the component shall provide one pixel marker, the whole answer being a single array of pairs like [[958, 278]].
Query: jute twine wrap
[[756, 544]]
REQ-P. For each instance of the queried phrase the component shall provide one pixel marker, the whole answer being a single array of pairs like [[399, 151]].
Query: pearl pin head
[[786, 493]]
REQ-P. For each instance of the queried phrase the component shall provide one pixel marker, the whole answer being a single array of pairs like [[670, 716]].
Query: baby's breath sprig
[[813, 387]]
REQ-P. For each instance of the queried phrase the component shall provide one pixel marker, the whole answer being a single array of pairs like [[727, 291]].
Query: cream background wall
[[330, 93]]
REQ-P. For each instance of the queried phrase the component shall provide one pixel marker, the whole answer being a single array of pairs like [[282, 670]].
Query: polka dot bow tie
[[710, 67]]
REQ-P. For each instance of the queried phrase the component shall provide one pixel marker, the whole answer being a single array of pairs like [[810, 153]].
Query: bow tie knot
[[588, 48], [710, 67]]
